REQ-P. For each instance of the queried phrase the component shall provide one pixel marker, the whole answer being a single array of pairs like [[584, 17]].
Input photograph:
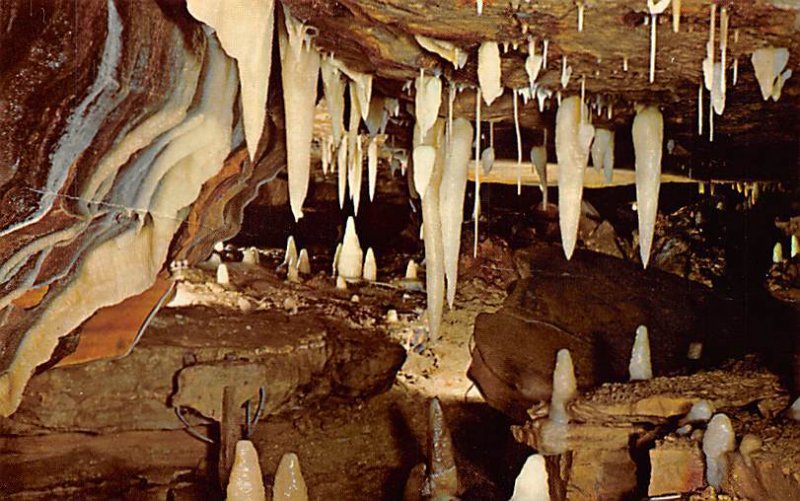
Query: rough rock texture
[[591, 305], [618, 424]]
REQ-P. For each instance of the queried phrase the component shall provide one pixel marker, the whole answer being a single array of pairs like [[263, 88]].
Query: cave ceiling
[[378, 37]]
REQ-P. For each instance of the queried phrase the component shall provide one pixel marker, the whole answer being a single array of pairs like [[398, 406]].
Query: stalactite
[[489, 72], [519, 144], [648, 137], [299, 71], [477, 208]]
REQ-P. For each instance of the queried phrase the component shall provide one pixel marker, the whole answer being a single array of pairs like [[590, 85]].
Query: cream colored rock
[[351, 256], [648, 140], [531, 484], [640, 368]]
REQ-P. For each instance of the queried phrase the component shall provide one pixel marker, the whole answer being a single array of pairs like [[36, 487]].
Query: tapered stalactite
[[573, 138], [299, 71], [648, 137]]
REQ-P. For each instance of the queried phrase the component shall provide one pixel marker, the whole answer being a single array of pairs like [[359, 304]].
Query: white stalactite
[[427, 101], [768, 64], [648, 139], [424, 157], [573, 140], [676, 16], [245, 30], [476, 211], [372, 166], [299, 73], [489, 72], [334, 87], [447, 50], [653, 25], [341, 165], [519, 143], [539, 161], [533, 64], [451, 203]]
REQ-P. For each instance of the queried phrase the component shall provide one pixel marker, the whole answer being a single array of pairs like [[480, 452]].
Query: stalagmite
[[573, 140], [451, 203], [487, 160], [648, 137], [293, 273], [333, 85], [324, 155], [351, 256], [244, 29], [489, 72], [794, 249], [794, 410], [341, 166], [531, 484], [424, 158], [427, 101], [291, 251], [299, 73], [336, 254], [768, 64], [289, 484], [676, 15], [539, 160], [222, 275], [640, 367], [303, 262], [701, 411], [533, 64], [519, 143], [777, 253], [565, 387], [250, 256], [341, 283], [735, 71], [718, 440], [447, 50], [443, 479], [245, 482], [370, 273], [372, 166], [411, 270]]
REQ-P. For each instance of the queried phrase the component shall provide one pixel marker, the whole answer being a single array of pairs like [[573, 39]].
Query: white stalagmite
[[250, 256], [794, 410], [640, 367], [244, 29], [701, 411], [325, 156], [768, 63], [573, 140], [299, 73], [245, 482], [735, 71], [351, 255], [370, 272], [289, 484], [777, 253], [341, 166], [447, 50], [794, 249], [411, 270], [451, 203], [565, 387], [222, 274], [533, 64], [291, 251], [303, 262], [539, 160], [489, 72], [341, 283], [333, 85], [372, 166], [718, 440], [424, 157], [427, 101], [648, 138], [531, 484], [336, 254]]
